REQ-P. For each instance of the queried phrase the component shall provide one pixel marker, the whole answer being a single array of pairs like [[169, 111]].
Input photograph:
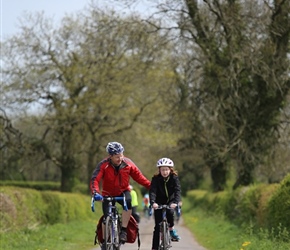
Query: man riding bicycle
[[115, 171]]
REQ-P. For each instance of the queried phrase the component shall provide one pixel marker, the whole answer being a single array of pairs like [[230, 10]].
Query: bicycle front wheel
[[117, 244], [165, 240], [108, 234]]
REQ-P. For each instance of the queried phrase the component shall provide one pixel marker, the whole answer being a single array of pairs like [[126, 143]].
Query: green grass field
[[72, 236]]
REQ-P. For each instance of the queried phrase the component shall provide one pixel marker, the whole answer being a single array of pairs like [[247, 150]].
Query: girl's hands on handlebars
[[154, 205], [173, 205]]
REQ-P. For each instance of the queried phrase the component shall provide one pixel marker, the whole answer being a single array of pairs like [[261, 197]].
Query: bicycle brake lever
[[125, 204], [178, 210], [93, 204], [150, 210]]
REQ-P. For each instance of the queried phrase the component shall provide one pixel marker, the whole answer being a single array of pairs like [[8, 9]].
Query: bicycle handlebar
[[109, 198], [164, 206]]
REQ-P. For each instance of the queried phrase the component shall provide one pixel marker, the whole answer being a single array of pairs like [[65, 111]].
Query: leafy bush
[[52, 204], [20, 207], [197, 197], [247, 204], [220, 202], [266, 194], [27, 208], [279, 206], [260, 205]]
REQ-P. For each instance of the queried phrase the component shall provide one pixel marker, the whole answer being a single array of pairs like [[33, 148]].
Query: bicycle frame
[[112, 223], [165, 239]]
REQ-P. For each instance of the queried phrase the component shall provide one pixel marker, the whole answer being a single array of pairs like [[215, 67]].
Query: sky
[[12, 10]]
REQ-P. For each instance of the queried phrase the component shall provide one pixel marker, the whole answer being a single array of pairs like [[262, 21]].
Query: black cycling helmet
[[114, 148]]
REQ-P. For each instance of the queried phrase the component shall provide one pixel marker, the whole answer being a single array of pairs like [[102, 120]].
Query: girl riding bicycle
[[165, 189]]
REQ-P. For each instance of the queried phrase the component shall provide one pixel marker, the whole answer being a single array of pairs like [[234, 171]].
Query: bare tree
[[93, 78]]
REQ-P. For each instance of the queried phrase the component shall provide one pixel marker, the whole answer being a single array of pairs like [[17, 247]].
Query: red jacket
[[115, 181]]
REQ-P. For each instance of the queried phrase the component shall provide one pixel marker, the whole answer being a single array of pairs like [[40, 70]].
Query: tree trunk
[[245, 176], [68, 179], [218, 176]]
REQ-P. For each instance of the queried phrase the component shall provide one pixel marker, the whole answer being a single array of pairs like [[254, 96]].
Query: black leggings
[[158, 219]]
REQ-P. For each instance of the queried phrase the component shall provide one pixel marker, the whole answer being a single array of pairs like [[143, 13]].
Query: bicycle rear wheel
[[108, 234]]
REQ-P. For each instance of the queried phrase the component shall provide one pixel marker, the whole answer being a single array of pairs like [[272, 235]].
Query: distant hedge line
[[263, 205], [266, 206], [44, 185], [26, 208], [38, 185]]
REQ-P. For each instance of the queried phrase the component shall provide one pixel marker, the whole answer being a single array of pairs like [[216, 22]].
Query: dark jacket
[[115, 181], [165, 191]]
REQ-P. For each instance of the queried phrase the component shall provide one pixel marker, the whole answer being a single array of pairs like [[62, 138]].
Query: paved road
[[187, 241]]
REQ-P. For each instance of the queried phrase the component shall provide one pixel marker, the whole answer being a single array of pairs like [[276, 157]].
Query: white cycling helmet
[[165, 162]]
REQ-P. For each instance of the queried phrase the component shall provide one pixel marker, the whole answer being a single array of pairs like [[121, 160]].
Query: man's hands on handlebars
[[97, 197]]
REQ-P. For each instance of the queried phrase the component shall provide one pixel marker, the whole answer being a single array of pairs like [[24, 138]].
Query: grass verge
[[216, 233], [77, 235]]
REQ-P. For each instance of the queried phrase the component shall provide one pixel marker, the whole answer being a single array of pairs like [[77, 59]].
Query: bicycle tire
[[166, 236], [108, 234], [161, 241], [117, 244]]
